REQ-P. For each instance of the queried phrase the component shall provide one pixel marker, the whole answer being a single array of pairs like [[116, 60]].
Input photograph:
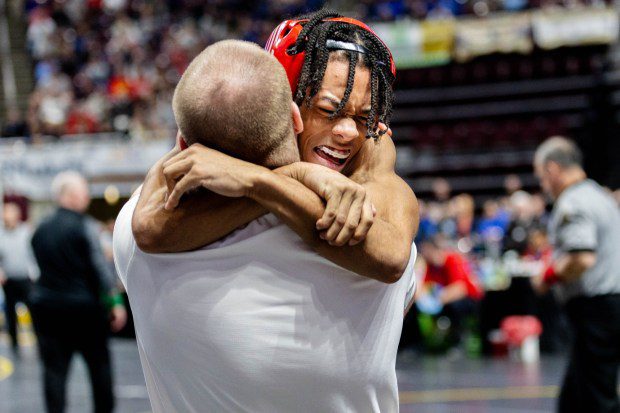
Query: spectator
[[15, 125], [512, 184], [441, 190], [522, 221], [17, 266], [494, 221], [450, 281]]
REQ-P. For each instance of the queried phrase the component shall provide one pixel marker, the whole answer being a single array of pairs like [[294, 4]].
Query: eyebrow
[[335, 103]]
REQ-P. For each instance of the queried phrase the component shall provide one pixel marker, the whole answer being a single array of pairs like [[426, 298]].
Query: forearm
[[379, 256], [453, 292], [570, 267], [202, 218]]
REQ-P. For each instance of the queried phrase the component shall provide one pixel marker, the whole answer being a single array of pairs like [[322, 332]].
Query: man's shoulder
[[123, 242]]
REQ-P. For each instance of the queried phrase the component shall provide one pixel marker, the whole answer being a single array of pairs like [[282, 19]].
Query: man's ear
[[298, 124], [181, 144], [552, 168]]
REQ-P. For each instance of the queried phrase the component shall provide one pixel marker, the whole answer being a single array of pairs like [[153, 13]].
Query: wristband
[[113, 300], [550, 277]]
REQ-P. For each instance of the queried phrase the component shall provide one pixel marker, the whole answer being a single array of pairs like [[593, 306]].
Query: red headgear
[[285, 36]]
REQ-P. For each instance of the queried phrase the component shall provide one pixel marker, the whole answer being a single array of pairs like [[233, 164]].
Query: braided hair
[[313, 40]]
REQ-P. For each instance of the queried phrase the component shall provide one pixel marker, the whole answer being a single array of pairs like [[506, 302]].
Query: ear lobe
[[298, 124]]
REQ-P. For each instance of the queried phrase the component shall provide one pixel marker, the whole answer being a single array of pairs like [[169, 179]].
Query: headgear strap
[[351, 47]]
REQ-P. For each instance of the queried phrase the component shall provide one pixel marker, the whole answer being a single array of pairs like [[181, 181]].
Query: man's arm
[[569, 267]]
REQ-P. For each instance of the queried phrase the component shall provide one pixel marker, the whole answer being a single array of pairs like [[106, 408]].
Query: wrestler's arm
[[203, 218], [383, 255]]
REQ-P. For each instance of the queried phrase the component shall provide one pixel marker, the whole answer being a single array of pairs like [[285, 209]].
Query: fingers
[[174, 171], [330, 212], [185, 184], [341, 217], [353, 220], [383, 126], [366, 220]]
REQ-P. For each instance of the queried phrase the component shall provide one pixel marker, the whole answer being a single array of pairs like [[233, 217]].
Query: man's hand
[[3, 278], [118, 318], [539, 285], [349, 213], [199, 166]]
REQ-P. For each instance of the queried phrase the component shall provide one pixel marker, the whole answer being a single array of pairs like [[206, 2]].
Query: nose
[[345, 130]]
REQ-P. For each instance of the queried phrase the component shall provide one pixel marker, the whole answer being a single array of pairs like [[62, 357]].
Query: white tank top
[[258, 322]]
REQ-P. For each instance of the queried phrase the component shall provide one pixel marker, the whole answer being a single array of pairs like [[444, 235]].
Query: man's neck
[[70, 207], [570, 178]]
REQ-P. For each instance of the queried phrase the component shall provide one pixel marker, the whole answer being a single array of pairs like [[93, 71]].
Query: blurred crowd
[[514, 222], [111, 65], [471, 251], [388, 10]]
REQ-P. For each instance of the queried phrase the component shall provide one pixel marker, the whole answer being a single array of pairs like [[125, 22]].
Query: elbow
[[147, 238], [393, 268]]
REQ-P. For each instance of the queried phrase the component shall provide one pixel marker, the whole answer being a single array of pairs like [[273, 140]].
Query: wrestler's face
[[333, 142]]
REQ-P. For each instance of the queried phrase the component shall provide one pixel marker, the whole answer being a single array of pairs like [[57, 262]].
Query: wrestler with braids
[[344, 199], [316, 37]]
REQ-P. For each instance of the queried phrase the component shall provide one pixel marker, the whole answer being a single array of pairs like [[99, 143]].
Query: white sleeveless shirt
[[258, 322]]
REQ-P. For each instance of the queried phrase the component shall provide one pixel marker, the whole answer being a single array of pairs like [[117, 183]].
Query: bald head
[[235, 97], [70, 191], [560, 150], [557, 163]]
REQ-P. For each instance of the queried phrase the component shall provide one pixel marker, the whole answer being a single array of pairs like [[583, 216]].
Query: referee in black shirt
[[73, 302], [585, 232]]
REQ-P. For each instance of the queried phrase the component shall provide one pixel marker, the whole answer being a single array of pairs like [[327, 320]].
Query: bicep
[[396, 204]]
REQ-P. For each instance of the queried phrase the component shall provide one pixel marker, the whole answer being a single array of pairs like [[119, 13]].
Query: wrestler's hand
[[349, 213], [199, 166]]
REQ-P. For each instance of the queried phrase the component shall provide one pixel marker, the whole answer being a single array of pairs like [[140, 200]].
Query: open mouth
[[335, 156]]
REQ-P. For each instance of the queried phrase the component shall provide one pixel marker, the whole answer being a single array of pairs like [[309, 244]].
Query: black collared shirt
[[72, 265]]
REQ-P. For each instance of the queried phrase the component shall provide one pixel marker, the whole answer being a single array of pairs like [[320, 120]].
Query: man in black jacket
[[70, 298]]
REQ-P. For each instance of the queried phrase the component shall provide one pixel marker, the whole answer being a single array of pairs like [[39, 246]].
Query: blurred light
[[111, 195], [121, 122], [481, 8], [443, 323], [463, 245]]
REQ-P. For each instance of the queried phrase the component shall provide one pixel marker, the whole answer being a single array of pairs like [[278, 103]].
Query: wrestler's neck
[[569, 177]]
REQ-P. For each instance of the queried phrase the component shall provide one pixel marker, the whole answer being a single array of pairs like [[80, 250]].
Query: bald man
[[585, 232], [74, 302]]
